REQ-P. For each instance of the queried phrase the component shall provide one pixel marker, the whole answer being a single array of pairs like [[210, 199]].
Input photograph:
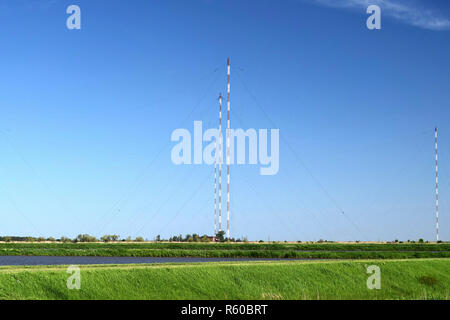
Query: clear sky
[[86, 117]]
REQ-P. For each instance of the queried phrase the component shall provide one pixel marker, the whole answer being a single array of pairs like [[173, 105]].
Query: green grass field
[[400, 279], [305, 251], [233, 246]]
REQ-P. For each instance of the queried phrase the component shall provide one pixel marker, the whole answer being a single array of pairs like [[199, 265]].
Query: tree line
[[219, 237], [79, 238]]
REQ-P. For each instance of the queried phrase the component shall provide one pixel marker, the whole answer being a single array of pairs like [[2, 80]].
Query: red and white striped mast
[[228, 149], [437, 189], [215, 186], [220, 161]]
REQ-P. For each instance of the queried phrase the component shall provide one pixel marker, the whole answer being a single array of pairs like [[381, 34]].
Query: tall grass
[[215, 253], [406, 279], [233, 246]]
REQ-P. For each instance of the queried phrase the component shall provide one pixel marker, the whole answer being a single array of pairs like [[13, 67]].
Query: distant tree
[[7, 239], [110, 237], [158, 238], [139, 239], [30, 239], [65, 239], [51, 239], [261, 241], [420, 240], [128, 239], [220, 236], [85, 238], [41, 239]]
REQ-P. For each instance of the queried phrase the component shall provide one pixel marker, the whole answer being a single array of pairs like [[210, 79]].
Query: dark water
[[48, 260]]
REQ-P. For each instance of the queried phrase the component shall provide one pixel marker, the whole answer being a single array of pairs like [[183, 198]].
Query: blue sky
[[86, 117]]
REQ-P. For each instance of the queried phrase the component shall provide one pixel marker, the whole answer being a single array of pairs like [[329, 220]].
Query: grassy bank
[[234, 246], [299, 251], [269, 254], [400, 279]]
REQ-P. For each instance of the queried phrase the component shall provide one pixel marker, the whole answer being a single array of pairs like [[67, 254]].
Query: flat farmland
[[231, 250]]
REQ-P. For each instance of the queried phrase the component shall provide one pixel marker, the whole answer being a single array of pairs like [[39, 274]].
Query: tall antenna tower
[[220, 161], [215, 186], [228, 149], [437, 189]]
